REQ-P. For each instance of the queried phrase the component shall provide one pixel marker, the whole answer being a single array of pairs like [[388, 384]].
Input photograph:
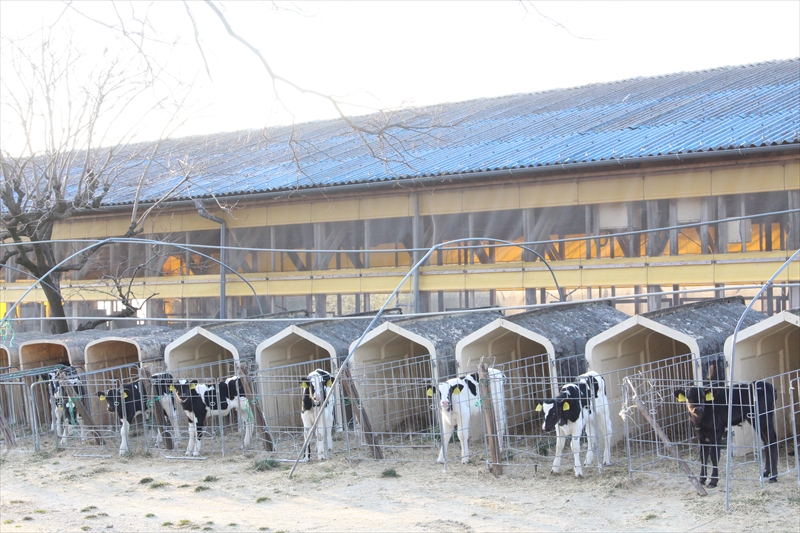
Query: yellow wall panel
[[117, 226], [686, 274], [490, 198], [791, 175], [87, 228], [593, 277], [61, 230], [686, 184], [381, 284], [335, 209], [548, 194], [335, 285], [748, 272], [201, 290], [600, 191], [249, 217], [294, 213], [390, 206], [440, 202], [747, 179], [289, 287], [442, 282]]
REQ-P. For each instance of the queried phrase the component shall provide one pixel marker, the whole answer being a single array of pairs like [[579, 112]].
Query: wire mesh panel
[[763, 442], [220, 434], [280, 398], [18, 427], [36, 413], [680, 369], [394, 409], [87, 426], [529, 383]]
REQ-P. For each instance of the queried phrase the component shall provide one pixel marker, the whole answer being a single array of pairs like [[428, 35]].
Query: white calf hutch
[[391, 370], [537, 351], [658, 353], [770, 351]]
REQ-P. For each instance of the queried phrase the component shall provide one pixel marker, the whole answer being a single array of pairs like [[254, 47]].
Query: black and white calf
[[580, 405], [708, 413], [199, 401], [66, 388], [132, 400], [316, 387], [459, 398]]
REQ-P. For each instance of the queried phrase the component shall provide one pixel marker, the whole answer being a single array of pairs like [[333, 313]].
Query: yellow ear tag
[[681, 397], [124, 394], [538, 408], [429, 394], [456, 391], [566, 406], [329, 383], [709, 396], [172, 388], [193, 386], [304, 385], [102, 398]]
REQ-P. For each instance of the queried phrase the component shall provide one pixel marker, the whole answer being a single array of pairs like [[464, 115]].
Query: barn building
[[328, 219]]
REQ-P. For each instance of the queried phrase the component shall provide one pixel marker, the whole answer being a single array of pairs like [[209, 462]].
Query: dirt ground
[[49, 491]]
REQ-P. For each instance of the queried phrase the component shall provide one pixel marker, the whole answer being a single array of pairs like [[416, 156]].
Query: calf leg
[[192, 434], [606, 434], [124, 432], [704, 457], [447, 433], [714, 453], [591, 437], [561, 440], [575, 446], [463, 436], [770, 439]]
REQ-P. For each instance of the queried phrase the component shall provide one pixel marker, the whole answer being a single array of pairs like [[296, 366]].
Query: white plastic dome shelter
[[127, 347], [770, 350], [196, 347]]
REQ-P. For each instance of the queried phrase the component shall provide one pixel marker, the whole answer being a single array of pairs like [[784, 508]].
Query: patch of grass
[[16, 501], [390, 472], [184, 522], [165, 524], [145, 480], [210, 479], [149, 515], [87, 509], [263, 528], [9, 521], [233, 524], [263, 499], [26, 518], [158, 484], [89, 516], [40, 511], [183, 486], [650, 516], [264, 465], [208, 528], [201, 488], [86, 528], [209, 523], [102, 514]]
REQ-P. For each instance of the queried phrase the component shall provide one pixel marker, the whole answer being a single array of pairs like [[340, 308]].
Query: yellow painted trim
[[792, 176], [294, 213], [747, 180], [687, 184], [548, 194], [599, 191], [490, 198], [334, 210], [440, 202], [390, 206]]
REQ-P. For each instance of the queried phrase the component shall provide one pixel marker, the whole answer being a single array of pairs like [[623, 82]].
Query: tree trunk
[[58, 316]]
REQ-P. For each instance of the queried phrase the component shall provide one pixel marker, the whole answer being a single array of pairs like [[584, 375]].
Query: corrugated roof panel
[[717, 109]]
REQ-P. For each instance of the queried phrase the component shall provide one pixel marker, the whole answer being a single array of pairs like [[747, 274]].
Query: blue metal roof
[[719, 109]]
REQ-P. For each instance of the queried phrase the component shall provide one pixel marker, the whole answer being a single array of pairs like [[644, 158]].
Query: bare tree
[[62, 153]]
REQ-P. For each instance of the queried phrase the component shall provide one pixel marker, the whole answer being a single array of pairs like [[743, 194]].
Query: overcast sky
[[386, 54]]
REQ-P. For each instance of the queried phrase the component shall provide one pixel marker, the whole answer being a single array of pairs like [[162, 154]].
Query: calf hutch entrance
[[538, 352], [390, 372], [282, 361], [770, 351]]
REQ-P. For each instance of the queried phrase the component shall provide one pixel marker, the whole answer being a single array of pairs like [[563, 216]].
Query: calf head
[[162, 383], [114, 400], [697, 400], [445, 392], [183, 388], [556, 411], [315, 387]]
